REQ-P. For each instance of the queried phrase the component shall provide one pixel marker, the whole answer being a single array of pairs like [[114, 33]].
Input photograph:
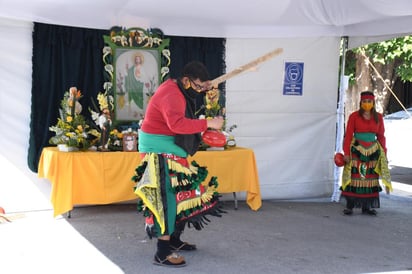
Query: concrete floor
[[299, 236], [305, 236]]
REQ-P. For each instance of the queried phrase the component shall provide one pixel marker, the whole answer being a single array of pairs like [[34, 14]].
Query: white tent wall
[[293, 136], [20, 189]]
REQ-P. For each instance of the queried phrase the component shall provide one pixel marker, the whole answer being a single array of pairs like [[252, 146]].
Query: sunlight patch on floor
[[18, 192], [39, 243]]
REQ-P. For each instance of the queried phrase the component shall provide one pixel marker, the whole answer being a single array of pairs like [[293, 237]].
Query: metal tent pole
[[340, 124]]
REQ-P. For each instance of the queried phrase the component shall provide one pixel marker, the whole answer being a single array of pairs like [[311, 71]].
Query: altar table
[[90, 177]]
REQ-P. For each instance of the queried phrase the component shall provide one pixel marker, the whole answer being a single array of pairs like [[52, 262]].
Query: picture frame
[[136, 62], [129, 142]]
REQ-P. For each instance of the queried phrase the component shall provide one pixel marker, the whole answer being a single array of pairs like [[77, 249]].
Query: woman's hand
[[387, 190], [215, 123], [346, 158]]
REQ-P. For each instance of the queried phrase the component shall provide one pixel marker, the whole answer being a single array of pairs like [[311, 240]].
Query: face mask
[[191, 92], [366, 106]]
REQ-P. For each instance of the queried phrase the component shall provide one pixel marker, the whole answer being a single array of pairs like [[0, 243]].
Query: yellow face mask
[[367, 106]]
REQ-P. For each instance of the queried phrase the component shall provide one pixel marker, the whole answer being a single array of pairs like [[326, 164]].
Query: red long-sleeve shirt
[[356, 123], [165, 113]]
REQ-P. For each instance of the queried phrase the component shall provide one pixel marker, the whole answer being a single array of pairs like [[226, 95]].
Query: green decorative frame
[[123, 48]]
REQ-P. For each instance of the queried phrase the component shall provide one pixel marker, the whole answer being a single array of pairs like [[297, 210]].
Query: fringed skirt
[[362, 191], [172, 193]]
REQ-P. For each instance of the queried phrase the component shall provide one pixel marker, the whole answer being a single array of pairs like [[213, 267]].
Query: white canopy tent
[[293, 136], [361, 20]]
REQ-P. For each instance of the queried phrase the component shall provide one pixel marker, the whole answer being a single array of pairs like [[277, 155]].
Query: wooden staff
[[215, 82]]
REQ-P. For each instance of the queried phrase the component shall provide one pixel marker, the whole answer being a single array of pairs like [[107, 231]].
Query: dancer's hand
[[346, 158], [387, 190], [215, 123]]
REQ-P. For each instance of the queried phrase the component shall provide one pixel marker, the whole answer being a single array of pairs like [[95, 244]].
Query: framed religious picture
[[136, 63], [130, 142]]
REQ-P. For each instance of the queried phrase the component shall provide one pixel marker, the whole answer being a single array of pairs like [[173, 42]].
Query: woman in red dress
[[364, 148]]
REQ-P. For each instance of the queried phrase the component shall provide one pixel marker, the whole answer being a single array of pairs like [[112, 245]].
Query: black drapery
[[209, 51], [65, 57]]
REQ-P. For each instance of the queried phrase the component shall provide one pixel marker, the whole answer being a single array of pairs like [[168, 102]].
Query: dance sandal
[[173, 260], [348, 211], [184, 247]]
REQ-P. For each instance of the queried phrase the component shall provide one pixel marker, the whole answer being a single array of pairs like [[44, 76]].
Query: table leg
[[235, 198]]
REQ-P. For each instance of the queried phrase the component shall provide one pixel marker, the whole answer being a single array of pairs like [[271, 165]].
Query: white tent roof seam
[[362, 20]]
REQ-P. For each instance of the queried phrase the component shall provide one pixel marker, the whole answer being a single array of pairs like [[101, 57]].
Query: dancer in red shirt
[[170, 189], [364, 148]]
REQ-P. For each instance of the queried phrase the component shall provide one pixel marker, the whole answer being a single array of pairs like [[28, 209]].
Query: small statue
[[105, 123]]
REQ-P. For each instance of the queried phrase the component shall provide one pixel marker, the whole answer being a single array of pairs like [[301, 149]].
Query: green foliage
[[350, 66], [398, 50]]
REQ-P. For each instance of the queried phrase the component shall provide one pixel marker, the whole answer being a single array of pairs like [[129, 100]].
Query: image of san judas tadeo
[[137, 77]]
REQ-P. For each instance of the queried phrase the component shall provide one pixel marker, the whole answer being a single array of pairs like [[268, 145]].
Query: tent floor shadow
[[401, 174], [305, 236]]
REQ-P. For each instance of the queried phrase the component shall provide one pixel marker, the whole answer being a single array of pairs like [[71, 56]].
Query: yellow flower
[[102, 101], [80, 128], [208, 106], [95, 133], [69, 118], [70, 134]]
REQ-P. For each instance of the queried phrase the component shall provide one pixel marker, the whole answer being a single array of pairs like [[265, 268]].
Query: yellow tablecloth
[[236, 171], [105, 177]]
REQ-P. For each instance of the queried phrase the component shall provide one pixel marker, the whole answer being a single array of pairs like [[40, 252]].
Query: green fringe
[[213, 182], [196, 177], [142, 208], [201, 173], [139, 171]]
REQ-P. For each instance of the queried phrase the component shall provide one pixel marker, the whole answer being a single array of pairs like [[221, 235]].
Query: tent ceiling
[[225, 18]]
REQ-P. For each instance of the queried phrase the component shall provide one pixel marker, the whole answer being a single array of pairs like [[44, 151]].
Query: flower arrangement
[[102, 118], [105, 102], [71, 128], [214, 106], [212, 103], [115, 141]]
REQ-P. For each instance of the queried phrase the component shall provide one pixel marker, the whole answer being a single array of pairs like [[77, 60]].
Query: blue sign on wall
[[293, 81]]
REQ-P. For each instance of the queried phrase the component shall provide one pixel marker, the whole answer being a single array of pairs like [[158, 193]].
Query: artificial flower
[[71, 128]]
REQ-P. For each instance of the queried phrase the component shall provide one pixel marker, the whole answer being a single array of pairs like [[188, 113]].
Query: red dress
[[165, 113], [365, 143], [356, 123]]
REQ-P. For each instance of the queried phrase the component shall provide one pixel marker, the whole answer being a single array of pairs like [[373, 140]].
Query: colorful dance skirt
[[172, 192], [360, 180]]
